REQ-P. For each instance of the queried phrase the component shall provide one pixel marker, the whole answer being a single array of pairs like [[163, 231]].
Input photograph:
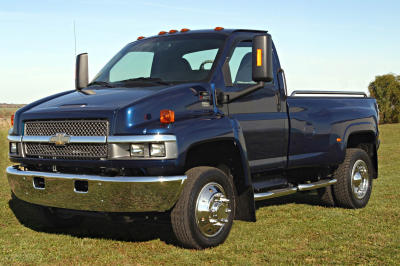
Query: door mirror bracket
[[227, 97]]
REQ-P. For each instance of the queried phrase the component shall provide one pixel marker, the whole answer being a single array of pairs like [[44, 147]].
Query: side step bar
[[275, 193], [287, 191], [319, 184]]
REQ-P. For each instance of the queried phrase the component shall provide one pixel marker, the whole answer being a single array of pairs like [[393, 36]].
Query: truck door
[[261, 114]]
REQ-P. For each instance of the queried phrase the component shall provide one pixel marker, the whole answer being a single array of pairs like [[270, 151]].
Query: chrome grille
[[77, 151], [70, 151], [69, 127]]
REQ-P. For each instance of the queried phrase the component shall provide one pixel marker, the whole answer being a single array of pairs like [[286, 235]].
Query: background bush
[[386, 90]]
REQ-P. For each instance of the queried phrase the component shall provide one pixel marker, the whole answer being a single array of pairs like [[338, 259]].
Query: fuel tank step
[[291, 190]]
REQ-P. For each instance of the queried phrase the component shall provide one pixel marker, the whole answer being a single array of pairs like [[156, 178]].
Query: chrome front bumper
[[106, 194]]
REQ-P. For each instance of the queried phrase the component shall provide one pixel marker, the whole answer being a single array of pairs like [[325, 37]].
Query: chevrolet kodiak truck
[[195, 126]]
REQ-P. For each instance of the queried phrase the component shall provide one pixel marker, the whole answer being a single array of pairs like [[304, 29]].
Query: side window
[[201, 60], [132, 65], [240, 63]]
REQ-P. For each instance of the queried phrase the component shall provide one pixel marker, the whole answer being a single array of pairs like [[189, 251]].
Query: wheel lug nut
[[224, 200]]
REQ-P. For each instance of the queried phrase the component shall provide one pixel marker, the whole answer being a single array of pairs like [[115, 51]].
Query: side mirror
[[262, 58], [81, 71]]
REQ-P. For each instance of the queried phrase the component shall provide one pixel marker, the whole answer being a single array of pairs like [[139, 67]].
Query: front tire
[[203, 215], [354, 180]]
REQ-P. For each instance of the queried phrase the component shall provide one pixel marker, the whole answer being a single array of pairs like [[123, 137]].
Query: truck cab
[[194, 125]]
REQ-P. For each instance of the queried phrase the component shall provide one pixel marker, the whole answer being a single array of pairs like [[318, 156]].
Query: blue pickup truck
[[193, 125]]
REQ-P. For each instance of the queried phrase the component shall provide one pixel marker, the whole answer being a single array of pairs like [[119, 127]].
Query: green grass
[[290, 230]]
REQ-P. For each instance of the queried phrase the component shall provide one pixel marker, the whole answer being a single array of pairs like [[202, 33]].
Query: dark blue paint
[[302, 133]]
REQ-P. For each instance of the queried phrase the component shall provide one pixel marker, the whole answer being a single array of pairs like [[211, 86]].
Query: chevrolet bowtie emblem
[[60, 139]]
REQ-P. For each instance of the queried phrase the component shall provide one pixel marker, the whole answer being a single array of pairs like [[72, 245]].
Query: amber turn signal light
[[167, 116], [338, 139], [12, 120], [259, 57]]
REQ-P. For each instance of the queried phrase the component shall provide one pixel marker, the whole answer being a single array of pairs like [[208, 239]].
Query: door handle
[[278, 101]]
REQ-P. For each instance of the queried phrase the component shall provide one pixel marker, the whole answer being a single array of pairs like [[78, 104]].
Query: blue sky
[[333, 45]]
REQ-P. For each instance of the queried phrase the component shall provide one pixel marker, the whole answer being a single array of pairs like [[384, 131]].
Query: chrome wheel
[[359, 179], [212, 209]]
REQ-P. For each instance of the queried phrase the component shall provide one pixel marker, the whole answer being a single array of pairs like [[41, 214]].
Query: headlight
[[13, 147], [157, 150], [147, 150], [137, 150]]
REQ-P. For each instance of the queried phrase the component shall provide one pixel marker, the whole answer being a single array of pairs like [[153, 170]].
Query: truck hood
[[129, 110], [102, 100]]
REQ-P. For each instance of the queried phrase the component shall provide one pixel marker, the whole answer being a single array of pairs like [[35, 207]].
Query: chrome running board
[[319, 184], [275, 193], [287, 191]]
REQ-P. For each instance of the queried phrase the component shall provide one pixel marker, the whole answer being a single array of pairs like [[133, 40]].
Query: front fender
[[215, 127]]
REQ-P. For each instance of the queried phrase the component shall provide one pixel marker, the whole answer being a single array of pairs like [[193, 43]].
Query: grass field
[[289, 230]]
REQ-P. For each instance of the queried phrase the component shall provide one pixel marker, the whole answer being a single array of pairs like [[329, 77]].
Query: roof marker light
[[140, 37], [184, 30], [162, 32], [172, 31], [218, 28]]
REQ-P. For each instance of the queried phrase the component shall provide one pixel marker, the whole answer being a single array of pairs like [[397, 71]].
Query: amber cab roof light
[[140, 37], [218, 28], [184, 30], [172, 31], [162, 32]]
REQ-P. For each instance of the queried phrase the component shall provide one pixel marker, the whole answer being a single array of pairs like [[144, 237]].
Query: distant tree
[[386, 90]]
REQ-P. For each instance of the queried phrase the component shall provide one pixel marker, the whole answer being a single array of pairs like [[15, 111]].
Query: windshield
[[166, 59]]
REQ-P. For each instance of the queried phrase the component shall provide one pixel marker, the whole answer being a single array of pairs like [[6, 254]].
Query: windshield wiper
[[101, 83], [143, 79]]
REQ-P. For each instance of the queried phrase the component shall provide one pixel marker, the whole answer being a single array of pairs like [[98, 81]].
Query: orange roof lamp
[[167, 116], [140, 37], [218, 28], [184, 30], [172, 31], [162, 32]]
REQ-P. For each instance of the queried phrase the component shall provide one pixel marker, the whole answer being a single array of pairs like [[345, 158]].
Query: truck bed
[[321, 125]]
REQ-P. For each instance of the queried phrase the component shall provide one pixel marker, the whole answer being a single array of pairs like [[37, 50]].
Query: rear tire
[[203, 214], [354, 180]]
